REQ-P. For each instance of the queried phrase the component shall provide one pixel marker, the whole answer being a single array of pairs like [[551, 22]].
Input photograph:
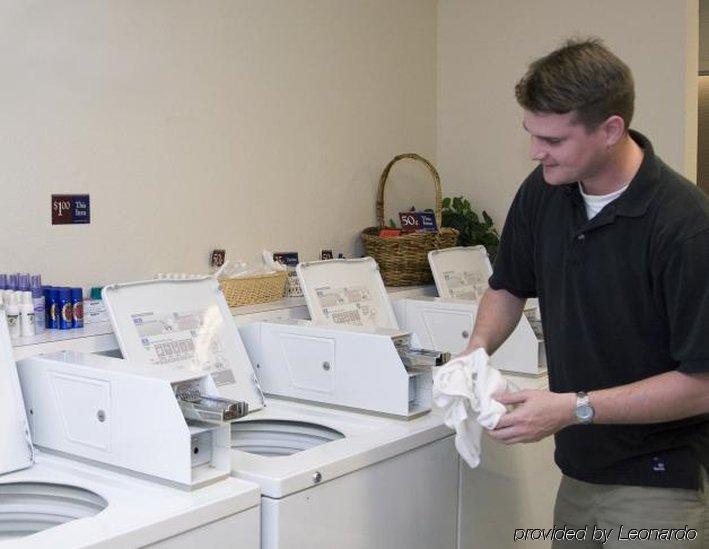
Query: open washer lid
[[346, 292], [16, 446], [186, 324], [461, 272]]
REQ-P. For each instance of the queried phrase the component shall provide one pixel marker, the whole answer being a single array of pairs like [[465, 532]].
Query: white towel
[[462, 390]]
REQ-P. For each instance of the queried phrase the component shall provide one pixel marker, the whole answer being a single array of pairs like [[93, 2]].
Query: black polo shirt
[[623, 296]]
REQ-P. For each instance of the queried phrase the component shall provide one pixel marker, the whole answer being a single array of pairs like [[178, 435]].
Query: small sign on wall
[[218, 257], [68, 209]]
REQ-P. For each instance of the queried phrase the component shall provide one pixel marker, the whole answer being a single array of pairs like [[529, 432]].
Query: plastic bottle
[[54, 308], [66, 313], [3, 281], [13, 314], [77, 304], [38, 302], [27, 322], [23, 282], [46, 292], [12, 282]]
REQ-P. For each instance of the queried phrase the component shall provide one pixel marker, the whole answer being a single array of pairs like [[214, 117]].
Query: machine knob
[[326, 366], [317, 477], [465, 334], [101, 415]]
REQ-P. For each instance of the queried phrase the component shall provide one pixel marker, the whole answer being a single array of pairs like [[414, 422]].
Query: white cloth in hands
[[462, 390]]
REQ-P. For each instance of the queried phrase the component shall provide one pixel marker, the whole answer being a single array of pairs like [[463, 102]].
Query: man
[[616, 246]]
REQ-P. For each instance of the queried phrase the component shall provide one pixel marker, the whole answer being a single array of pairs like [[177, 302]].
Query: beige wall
[[244, 125], [704, 35], [703, 141], [196, 124], [484, 48]]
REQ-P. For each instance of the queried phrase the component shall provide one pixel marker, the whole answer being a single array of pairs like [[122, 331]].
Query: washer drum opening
[[30, 507], [280, 437]]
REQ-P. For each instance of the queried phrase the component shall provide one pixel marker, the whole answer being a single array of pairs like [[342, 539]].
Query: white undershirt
[[596, 202]]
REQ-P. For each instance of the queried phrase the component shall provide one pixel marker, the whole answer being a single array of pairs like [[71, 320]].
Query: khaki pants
[[616, 517]]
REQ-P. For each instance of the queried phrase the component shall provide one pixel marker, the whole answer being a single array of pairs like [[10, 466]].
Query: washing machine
[[328, 477], [55, 502], [446, 322], [513, 487], [351, 293]]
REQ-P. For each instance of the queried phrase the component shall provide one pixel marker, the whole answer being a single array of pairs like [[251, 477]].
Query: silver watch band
[[584, 411]]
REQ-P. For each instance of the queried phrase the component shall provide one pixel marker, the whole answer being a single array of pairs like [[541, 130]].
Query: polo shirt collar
[[637, 197]]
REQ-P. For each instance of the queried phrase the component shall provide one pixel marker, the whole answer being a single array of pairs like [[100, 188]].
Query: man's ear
[[613, 129]]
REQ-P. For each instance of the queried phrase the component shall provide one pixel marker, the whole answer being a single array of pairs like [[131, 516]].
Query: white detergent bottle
[[27, 321], [13, 314]]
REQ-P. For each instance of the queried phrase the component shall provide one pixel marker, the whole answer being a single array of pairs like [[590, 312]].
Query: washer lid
[[16, 445], [186, 324], [461, 272], [346, 291]]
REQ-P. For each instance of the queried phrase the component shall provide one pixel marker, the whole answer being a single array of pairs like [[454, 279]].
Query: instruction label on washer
[[351, 305], [186, 340], [466, 284]]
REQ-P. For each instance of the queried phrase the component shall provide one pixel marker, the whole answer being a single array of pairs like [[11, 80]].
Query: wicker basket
[[249, 290], [293, 288], [403, 260]]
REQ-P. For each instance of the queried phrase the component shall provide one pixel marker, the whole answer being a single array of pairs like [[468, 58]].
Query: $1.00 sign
[[68, 209]]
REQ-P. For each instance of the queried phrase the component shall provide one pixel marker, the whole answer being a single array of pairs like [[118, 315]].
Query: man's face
[[566, 149]]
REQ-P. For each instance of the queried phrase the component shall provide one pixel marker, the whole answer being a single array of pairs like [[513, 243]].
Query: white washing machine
[[446, 322], [54, 502], [494, 497], [328, 477]]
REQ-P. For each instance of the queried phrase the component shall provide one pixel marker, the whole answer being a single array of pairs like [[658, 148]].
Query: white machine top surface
[[374, 330], [185, 324], [368, 440], [346, 292], [16, 446], [139, 512], [461, 272], [128, 367]]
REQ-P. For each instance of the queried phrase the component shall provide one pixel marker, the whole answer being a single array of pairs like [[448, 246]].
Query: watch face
[[584, 413]]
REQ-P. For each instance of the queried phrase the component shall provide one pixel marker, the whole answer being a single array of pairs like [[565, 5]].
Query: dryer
[[55, 502]]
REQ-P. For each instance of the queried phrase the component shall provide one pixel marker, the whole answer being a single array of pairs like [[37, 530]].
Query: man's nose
[[537, 151]]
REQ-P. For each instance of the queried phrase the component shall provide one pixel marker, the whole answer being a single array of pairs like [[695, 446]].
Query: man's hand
[[536, 415]]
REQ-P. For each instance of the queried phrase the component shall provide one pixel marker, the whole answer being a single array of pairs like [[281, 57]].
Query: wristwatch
[[584, 411]]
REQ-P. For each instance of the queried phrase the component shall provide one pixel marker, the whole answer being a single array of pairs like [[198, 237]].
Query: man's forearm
[[660, 398], [498, 314]]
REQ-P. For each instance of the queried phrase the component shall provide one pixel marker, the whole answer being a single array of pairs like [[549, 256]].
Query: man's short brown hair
[[582, 76]]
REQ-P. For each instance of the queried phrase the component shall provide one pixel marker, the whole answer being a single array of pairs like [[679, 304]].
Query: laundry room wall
[[485, 47], [202, 124]]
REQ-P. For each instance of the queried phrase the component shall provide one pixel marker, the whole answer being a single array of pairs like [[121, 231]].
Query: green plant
[[458, 214]]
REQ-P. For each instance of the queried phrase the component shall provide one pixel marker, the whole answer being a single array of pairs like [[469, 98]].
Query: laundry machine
[[51, 501], [341, 293], [446, 322], [328, 477]]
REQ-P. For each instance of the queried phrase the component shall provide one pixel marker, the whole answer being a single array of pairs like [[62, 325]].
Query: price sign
[[68, 209], [417, 221]]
